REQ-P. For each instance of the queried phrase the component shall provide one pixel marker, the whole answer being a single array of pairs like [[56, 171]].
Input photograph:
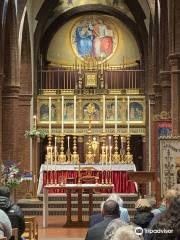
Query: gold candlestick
[[90, 155], [123, 150], [129, 156], [74, 156], [116, 156], [62, 157]]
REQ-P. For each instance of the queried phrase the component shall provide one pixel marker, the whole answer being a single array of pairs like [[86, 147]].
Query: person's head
[[4, 192], [143, 204], [111, 208], [170, 220], [116, 198], [126, 233], [169, 196]]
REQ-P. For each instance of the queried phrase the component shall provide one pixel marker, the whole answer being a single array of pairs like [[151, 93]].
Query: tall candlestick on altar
[[49, 116], [34, 120], [104, 108], [115, 114], [74, 114], [128, 119], [51, 156], [106, 155], [62, 120], [68, 141], [110, 155], [55, 150], [109, 141]]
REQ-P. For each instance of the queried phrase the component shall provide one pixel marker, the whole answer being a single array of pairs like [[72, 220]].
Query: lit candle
[[128, 120], [115, 114], [109, 141], [74, 114], [106, 155], [62, 120], [34, 118], [49, 116], [104, 108], [55, 150]]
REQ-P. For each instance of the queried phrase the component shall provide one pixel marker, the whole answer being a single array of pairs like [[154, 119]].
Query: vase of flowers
[[34, 132], [11, 176]]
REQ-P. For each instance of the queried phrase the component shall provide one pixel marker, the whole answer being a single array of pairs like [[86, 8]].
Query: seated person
[[112, 228], [124, 212], [127, 233], [13, 211], [124, 215], [96, 218], [110, 212], [166, 201], [143, 214], [5, 225]]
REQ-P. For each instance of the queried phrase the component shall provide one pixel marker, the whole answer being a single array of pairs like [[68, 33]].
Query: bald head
[[111, 208]]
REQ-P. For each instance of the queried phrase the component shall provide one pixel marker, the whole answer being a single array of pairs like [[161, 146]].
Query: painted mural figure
[[84, 39], [94, 38], [102, 43]]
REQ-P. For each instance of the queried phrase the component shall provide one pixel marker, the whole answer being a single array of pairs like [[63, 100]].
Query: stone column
[[1, 82], [174, 60], [165, 79]]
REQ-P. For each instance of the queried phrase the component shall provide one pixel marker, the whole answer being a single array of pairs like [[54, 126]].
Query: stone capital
[[174, 60]]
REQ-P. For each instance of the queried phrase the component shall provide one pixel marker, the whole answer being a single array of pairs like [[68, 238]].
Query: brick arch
[[25, 95], [25, 60], [10, 86]]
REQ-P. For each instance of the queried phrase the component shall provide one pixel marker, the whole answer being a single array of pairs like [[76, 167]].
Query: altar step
[[57, 204]]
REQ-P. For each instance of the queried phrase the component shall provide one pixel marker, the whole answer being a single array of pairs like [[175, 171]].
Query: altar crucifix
[[90, 155]]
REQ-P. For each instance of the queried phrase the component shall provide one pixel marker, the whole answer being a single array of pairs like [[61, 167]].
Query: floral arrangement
[[35, 133], [10, 174]]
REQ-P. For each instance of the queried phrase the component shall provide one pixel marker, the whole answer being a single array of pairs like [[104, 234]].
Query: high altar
[[89, 123], [93, 112]]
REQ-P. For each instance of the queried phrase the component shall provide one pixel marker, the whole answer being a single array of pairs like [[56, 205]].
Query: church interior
[[89, 107]]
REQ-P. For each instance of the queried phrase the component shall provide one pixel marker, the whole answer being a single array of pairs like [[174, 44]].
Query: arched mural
[[95, 37], [101, 37]]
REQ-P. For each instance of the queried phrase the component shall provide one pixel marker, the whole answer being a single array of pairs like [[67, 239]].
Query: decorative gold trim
[[162, 116]]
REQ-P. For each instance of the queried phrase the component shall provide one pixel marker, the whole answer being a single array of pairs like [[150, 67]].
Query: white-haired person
[[124, 215], [128, 232], [5, 225], [143, 214]]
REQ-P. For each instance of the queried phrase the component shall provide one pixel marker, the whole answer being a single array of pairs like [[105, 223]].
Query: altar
[[118, 173]]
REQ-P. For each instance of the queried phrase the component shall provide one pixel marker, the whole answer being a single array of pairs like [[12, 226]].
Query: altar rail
[[113, 77]]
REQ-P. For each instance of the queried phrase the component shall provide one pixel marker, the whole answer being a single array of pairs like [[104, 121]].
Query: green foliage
[[35, 133]]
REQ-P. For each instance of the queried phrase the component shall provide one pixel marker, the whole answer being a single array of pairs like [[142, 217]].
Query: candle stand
[[116, 155], [62, 156], [74, 156]]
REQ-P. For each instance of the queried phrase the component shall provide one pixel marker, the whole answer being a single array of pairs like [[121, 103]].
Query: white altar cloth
[[73, 167]]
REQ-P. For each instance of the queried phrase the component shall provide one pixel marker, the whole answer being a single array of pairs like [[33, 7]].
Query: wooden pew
[[31, 230]]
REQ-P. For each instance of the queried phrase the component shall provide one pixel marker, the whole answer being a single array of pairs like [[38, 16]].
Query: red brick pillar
[[1, 82], [10, 121]]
